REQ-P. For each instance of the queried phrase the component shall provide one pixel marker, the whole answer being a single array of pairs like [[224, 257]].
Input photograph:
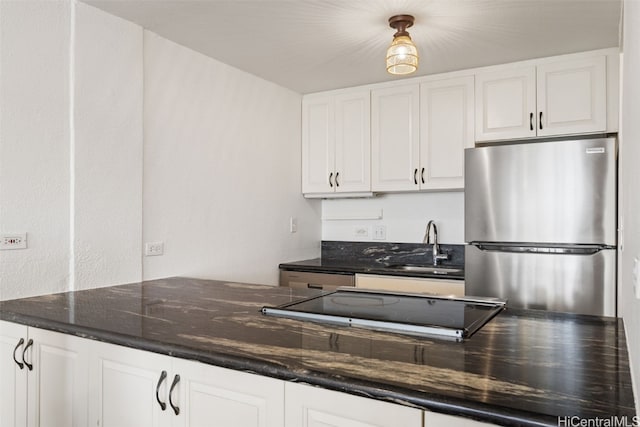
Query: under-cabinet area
[[411, 135]]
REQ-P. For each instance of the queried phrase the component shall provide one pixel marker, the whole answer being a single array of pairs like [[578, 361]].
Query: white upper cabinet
[[446, 129], [395, 138], [336, 143], [572, 97], [506, 104], [552, 98]]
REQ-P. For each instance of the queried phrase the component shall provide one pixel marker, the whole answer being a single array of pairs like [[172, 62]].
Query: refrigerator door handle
[[521, 248]]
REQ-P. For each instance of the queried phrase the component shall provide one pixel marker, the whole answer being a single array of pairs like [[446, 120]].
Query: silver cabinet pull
[[175, 382], [163, 376], [20, 364]]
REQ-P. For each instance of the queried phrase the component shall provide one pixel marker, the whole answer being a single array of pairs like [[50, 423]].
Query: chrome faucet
[[437, 256]]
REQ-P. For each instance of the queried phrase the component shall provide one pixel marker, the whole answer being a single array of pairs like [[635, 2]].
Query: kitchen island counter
[[522, 368]]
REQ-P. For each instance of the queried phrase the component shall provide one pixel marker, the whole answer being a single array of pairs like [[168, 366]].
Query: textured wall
[[70, 147], [107, 169], [221, 170], [405, 216], [629, 197], [34, 145]]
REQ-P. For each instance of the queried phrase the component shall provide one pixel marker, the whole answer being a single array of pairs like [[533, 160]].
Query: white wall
[[221, 170], [107, 146], [34, 145], [405, 216], [629, 197], [70, 147]]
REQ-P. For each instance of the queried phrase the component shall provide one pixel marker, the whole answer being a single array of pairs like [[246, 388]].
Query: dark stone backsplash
[[384, 253]]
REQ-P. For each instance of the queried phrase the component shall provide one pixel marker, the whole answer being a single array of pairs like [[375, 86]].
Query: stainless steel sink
[[426, 269]]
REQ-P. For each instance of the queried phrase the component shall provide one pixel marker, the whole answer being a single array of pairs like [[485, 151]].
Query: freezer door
[[551, 192], [583, 284]]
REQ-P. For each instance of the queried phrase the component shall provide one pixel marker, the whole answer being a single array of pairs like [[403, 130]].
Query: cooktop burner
[[414, 314]]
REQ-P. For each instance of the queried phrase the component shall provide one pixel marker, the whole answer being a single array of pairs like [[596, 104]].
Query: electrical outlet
[[154, 249], [379, 232], [361, 231], [293, 224], [9, 241]]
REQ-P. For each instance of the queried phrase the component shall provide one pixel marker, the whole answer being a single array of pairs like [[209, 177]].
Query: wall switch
[[293, 224], [154, 249], [361, 232], [379, 232], [9, 241], [636, 278]]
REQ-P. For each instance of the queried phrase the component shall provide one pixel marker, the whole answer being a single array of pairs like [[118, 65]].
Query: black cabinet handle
[[312, 286], [530, 121], [163, 376], [330, 183], [422, 175], [415, 176], [175, 382], [337, 183], [540, 119], [29, 344], [14, 353]]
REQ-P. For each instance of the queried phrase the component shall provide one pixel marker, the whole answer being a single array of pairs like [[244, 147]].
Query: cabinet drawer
[[323, 281], [411, 284]]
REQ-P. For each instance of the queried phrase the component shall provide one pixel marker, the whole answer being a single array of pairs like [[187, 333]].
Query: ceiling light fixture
[[402, 55]]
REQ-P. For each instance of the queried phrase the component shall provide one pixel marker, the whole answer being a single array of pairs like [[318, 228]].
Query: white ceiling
[[314, 45]]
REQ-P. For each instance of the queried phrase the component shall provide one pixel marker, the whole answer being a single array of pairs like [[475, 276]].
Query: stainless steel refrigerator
[[540, 224]]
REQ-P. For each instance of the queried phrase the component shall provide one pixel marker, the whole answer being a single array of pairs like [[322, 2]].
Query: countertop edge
[[406, 397], [348, 269]]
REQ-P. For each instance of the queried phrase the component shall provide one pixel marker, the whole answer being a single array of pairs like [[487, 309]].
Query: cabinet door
[[309, 406], [13, 380], [318, 144], [395, 143], [446, 129], [410, 284], [506, 104], [123, 387], [572, 97], [432, 419], [213, 396], [353, 142], [58, 384]]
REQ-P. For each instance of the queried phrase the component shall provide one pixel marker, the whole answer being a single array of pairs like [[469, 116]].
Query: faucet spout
[[437, 256]]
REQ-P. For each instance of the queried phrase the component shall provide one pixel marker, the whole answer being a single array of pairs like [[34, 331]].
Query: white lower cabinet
[[308, 406], [130, 389], [433, 419], [13, 379], [43, 378], [213, 396]]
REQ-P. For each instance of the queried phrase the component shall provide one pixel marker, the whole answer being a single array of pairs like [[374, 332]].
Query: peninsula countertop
[[522, 368]]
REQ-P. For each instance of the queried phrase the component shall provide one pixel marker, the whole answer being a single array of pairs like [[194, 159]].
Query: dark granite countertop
[[524, 368], [321, 265]]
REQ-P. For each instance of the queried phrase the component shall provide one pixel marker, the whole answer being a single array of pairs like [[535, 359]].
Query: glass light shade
[[402, 56]]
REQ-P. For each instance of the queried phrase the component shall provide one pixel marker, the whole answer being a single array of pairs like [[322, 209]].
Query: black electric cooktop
[[414, 314]]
